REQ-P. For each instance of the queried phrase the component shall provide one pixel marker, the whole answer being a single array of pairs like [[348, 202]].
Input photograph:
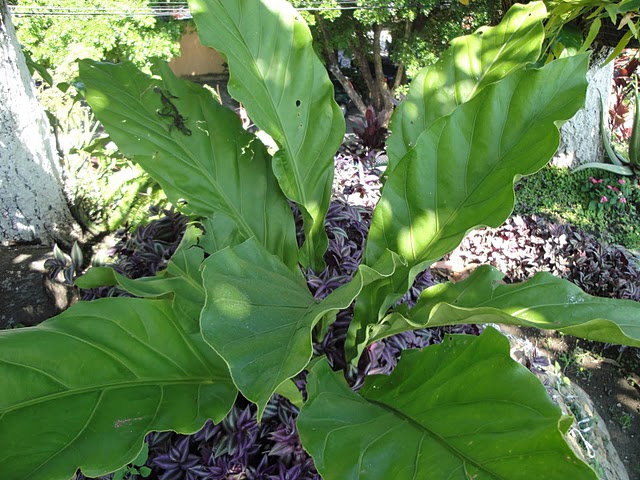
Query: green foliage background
[[562, 195], [432, 24], [57, 41]]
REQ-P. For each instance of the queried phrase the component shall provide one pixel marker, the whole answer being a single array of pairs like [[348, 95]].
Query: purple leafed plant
[[371, 132]]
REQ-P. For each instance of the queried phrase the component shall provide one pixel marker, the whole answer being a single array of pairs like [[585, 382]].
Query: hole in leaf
[[298, 103]]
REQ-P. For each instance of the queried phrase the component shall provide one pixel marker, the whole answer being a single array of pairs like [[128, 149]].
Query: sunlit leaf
[[544, 302], [459, 410], [460, 175], [196, 150], [470, 64], [275, 74]]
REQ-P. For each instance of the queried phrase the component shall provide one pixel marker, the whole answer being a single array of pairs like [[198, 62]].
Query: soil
[[611, 378], [23, 297]]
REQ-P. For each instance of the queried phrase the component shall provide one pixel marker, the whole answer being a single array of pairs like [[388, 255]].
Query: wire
[[178, 10]]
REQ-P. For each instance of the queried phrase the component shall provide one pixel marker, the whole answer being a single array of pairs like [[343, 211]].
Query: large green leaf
[[215, 166], [276, 75], [461, 172], [455, 411], [545, 302], [470, 64], [460, 175], [259, 316], [83, 389]]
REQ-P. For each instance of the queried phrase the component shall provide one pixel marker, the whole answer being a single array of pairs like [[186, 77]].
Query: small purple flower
[[604, 199]]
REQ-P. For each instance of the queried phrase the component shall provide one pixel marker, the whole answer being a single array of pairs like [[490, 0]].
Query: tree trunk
[[581, 140], [335, 68], [360, 47], [385, 105], [33, 207]]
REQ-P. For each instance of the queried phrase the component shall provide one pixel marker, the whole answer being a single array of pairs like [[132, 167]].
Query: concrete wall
[[196, 59]]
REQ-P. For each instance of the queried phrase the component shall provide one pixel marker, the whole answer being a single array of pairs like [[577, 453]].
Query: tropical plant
[[582, 21], [371, 132], [232, 313]]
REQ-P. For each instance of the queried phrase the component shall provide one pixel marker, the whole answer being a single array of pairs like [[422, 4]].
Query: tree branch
[[335, 68]]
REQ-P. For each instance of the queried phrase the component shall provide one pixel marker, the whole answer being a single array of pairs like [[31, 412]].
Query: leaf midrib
[[236, 215], [440, 440], [160, 383]]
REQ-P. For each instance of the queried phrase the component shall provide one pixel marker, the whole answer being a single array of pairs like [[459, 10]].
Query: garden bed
[[520, 248]]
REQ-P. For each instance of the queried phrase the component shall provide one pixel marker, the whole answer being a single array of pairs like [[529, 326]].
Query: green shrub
[[562, 195], [57, 41]]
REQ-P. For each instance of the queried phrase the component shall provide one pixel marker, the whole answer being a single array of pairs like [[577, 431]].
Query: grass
[[564, 196], [625, 421], [572, 364]]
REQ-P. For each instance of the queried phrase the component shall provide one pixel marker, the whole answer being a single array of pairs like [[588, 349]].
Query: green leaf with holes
[[276, 75]]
